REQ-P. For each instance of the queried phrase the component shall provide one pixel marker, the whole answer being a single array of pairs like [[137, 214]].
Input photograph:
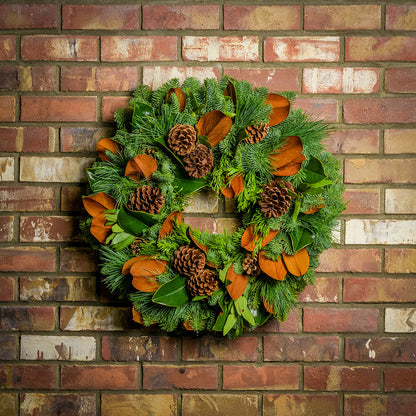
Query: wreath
[[241, 142]]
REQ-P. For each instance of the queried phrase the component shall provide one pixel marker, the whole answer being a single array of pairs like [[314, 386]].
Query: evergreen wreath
[[242, 142]]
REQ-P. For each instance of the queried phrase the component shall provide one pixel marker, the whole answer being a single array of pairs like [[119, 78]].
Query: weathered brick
[[401, 79], [28, 78], [87, 78], [360, 17], [205, 202], [27, 198], [217, 349], [108, 377], [379, 171], [58, 109], [325, 289], [302, 49], [220, 404], [179, 377], [83, 139], [399, 141], [214, 225], [138, 48], [7, 47], [6, 229], [290, 325], [33, 259], [102, 17], [350, 260], [261, 17], [155, 76], [9, 79], [26, 139], [401, 17], [395, 350], [34, 318], [325, 108], [400, 379], [80, 404], [138, 404], [49, 229], [400, 260], [59, 48], [7, 404], [143, 348], [400, 201], [68, 288], [110, 105], [377, 405], [180, 17], [7, 104], [371, 48], [78, 260], [400, 320], [27, 16], [54, 169], [332, 378], [340, 320], [71, 198], [9, 344], [22, 376], [7, 284], [6, 169], [290, 348], [362, 201], [300, 404]]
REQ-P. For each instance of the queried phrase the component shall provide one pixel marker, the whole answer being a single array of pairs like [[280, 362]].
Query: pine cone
[[251, 266], [136, 244], [182, 139], [199, 162], [188, 261], [275, 199], [204, 283], [256, 133], [148, 199]]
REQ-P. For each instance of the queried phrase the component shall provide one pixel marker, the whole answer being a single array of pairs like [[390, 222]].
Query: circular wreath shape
[[243, 143]]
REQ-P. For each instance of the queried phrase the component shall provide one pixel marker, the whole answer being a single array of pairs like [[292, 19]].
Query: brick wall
[[68, 346]]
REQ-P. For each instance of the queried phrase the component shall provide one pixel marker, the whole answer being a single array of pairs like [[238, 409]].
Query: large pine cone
[[204, 283], [275, 198], [251, 265], [256, 133], [182, 139], [199, 162], [148, 199], [188, 261]]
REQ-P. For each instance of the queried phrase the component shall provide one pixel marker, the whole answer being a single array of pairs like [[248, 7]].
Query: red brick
[[350, 260], [59, 48], [9, 77], [302, 49], [27, 198], [9, 344], [7, 47], [7, 112], [325, 108], [340, 320], [59, 109], [290, 348], [25, 16], [71, 198], [138, 48], [49, 229], [332, 378], [400, 379], [25, 139], [7, 284], [401, 79], [111, 104], [143, 348], [98, 79], [179, 377], [360, 17], [103, 17], [181, 17], [109, 377], [261, 17], [401, 17], [273, 325], [275, 79], [6, 229], [379, 350], [33, 259], [325, 289], [362, 201], [353, 141], [35, 318], [78, 260], [377, 405], [38, 78], [369, 48], [217, 349], [19, 376], [400, 260]]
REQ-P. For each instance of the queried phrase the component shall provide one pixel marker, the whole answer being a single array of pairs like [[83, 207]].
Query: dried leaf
[[235, 187], [298, 263], [137, 316], [180, 95], [107, 144], [288, 153], [148, 267], [98, 228], [281, 107], [238, 283], [187, 326], [249, 238], [314, 209], [273, 268], [230, 92], [145, 283], [288, 170], [215, 125], [167, 226], [269, 308], [196, 242], [142, 166], [98, 203]]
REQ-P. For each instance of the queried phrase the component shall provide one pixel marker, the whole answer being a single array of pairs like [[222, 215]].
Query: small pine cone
[[136, 244], [188, 261], [251, 266], [182, 139], [199, 162], [256, 133], [204, 283], [149, 151], [275, 198], [148, 199]]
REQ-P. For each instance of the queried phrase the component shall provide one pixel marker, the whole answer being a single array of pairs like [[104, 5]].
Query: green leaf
[[229, 323], [141, 110], [116, 229], [220, 322], [204, 140], [120, 237], [123, 243], [261, 316], [172, 293], [243, 310], [301, 237], [322, 183], [223, 272], [162, 142], [134, 222], [314, 171], [197, 298], [188, 186], [296, 211]]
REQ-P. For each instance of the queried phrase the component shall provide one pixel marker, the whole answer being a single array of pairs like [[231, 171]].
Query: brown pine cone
[[188, 261], [148, 199], [182, 139], [136, 244], [251, 265], [204, 283], [199, 162], [256, 133], [275, 198]]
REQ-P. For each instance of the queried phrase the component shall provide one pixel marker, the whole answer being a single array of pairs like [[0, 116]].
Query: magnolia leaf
[[180, 95], [162, 142], [142, 166], [298, 263], [230, 92], [98, 203], [301, 237], [107, 144], [137, 316], [238, 283], [215, 125], [142, 109], [229, 323], [280, 108], [172, 293], [188, 186], [235, 187], [134, 222], [249, 239], [314, 172], [167, 226], [261, 317], [116, 228], [124, 242], [273, 268]]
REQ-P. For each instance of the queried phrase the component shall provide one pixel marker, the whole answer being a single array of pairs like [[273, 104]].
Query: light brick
[[28, 16], [353, 141], [401, 79], [26, 139], [398, 141], [400, 320], [27, 198], [7, 47], [6, 229], [7, 108], [401, 17], [323, 108], [400, 260], [325, 289], [400, 201], [378, 405], [33, 259], [6, 169], [49, 229], [110, 105], [350, 260], [214, 225], [33, 318], [83, 139], [204, 202], [362, 201]]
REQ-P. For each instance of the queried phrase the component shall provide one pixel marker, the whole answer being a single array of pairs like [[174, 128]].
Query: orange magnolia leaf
[[148, 267], [230, 92], [167, 225], [298, 263], [314, 209], [249, 238], [106, 144], [187, 326], [180, 95], [238, 283], [137, 316], [281, 107], [98, 203], [288, 170], [129, 263], [141, 166], [98, 228], [273, 268], [235, 187], [269, 308], [145, 283], [288, 153], [215, 125], [196, 242]]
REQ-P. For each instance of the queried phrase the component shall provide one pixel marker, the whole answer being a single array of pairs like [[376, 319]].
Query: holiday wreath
[[242, 142]]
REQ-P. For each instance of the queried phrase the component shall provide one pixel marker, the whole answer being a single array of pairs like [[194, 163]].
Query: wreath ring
[[243, 143]]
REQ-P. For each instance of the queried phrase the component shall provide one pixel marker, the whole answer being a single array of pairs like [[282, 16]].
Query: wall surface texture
[[68, 347]]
